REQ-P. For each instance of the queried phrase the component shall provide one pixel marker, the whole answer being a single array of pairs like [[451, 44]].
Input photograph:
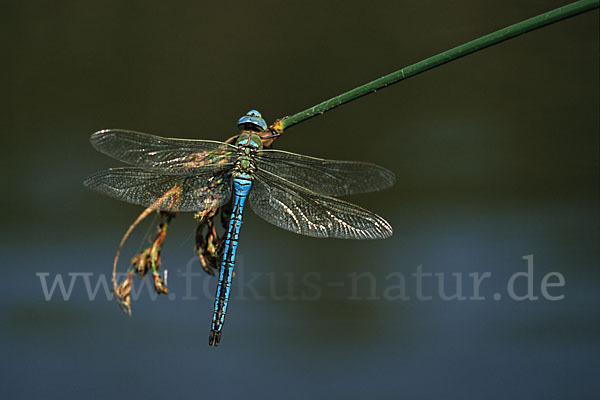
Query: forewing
[[296, 209], [328, 177], [143, 150], [166, 192]]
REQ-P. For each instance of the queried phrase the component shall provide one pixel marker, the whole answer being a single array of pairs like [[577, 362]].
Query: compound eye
[[254, 113], [252, 121]]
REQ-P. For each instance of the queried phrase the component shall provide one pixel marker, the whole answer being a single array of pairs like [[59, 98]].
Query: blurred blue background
[[496, 157]]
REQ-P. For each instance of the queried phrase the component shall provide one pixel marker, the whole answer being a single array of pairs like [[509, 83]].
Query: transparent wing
[[143, 150], [328, 177], [302, 211], [167, 192]]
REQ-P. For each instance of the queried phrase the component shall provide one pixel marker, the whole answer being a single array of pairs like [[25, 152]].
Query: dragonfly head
[[252, 121]]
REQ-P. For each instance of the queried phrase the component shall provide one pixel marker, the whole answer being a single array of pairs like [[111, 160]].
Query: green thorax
[[248, 144]]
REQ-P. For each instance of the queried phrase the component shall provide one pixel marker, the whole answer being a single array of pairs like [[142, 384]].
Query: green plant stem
[[488, 40]]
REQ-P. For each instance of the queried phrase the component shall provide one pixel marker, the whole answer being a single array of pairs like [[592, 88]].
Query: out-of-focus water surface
[[496, 157]]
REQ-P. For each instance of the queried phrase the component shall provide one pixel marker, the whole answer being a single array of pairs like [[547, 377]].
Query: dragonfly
[[291, 191]]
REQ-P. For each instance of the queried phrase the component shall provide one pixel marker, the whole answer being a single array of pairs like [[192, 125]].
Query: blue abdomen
[[242, 184]]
